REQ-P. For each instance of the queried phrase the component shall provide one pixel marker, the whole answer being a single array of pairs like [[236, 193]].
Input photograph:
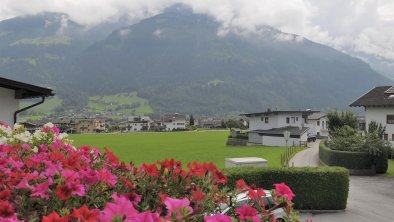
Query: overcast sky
[[353, 25]]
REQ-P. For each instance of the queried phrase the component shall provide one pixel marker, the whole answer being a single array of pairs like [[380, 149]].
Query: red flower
[[241, 185], [84, 214], [256, 194], [112, 159], [198, 195], [219, 177], [247, 213], [53, 217], [6, 209], [63, 192], [5, 194], [282, 190], [150, 169]]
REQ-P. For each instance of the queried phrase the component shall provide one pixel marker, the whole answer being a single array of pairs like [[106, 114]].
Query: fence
[[289, 153]]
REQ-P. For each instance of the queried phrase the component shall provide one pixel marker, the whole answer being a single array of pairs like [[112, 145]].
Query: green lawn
[[390, 171], [208, 146]]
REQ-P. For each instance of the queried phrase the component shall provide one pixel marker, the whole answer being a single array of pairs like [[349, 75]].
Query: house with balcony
[[90, 125], [318, 124], [173, 122], [268, 128], [378, 104], [137, 124], [11, 92]]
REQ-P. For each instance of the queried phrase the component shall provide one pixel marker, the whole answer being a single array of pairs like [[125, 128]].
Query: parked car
[[243, 198], [311, 138]]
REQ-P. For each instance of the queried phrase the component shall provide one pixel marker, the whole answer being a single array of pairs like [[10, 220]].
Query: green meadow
[[203, 146]]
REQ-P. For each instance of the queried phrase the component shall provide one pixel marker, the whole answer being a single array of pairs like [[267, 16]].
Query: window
[[287, 120], [297, 118], [318, 123], [322, 124], [386, 136], [390, 119], [392, 137], [266, 119]]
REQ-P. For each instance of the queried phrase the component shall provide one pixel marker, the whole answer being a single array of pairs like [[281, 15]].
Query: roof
[[305, 112], [317, 116], [24, 90], [378, 96], [294, 131], [173, 117]]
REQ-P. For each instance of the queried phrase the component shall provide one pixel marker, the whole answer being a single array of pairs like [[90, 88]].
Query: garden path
[[307, 157]]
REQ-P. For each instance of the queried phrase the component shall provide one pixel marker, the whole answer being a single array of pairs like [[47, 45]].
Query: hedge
[[320, 188], [349, 160]]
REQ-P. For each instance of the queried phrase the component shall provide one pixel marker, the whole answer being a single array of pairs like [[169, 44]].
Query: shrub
[[322, 188], [349, 160], [340, 119], [346, 139], [44, 178]]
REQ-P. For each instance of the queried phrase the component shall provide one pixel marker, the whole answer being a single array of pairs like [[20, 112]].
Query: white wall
[[379, 115], [176, 124], [133, 127], [279, 141], [275, 121], [320, 129], [8, 105]]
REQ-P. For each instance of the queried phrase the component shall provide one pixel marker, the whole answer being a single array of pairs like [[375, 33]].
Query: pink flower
[[247, 213], [41, 190], [107, 177], [241, 185], [283, 190], [90, 176], [146, 217], [218, 218], [121, 208], [178, 207]]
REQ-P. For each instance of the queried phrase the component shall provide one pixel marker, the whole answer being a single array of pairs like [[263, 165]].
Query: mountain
[[180, 62]]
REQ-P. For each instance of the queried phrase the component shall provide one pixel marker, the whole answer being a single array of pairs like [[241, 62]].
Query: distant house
[[11, 92], [210, 123], [318, 124], [379, 107], [173, 122], [137, 124], [90, 125], [31, 127], [66, 125], [268, 128]]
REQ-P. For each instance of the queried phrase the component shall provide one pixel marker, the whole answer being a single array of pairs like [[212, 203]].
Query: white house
[[174, 121], [137, 124], [318, 124], [267, 128], [379, 107], [11, 92]]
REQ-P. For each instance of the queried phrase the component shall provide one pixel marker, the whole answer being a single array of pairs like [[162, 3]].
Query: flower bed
[[44, 178]]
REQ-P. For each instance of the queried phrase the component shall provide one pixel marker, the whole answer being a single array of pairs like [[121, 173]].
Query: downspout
[[28, 107]]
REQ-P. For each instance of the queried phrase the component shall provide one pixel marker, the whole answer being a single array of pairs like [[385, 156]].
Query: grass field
[[208, 146]]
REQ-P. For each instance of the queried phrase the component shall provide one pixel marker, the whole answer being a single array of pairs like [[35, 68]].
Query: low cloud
[[354, 25]]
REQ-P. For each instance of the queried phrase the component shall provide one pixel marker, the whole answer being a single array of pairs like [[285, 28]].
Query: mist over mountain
[[182, 62]]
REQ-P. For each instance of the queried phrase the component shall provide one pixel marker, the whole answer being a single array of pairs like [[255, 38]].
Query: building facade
[[173, 122]]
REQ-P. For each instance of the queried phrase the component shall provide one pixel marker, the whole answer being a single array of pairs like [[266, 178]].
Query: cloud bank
[[364, 26]]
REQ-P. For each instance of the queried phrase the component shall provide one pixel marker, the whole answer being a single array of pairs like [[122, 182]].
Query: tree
[[191, 120], [338, 120], [376, 129]]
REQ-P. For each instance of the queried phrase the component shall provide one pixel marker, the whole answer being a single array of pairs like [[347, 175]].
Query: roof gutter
[[28, 107]]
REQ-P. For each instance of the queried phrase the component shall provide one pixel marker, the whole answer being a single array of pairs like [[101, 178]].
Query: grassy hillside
[[125, 103], [208, 146], [40, 111]]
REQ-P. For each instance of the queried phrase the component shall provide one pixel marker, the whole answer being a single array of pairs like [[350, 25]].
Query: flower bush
[[44, 178]]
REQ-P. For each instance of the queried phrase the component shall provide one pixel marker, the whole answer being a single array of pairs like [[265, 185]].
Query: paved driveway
[[371, 198]]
